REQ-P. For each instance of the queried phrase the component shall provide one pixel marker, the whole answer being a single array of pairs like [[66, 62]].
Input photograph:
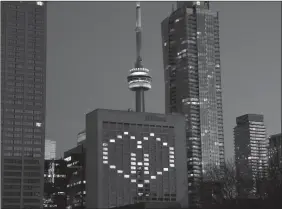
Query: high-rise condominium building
[[50, 149], [251, 152], [23, 84], [191, 58], [134, 157]]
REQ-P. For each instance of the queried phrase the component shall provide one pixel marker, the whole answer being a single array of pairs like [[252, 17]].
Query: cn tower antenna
[[139, 79]]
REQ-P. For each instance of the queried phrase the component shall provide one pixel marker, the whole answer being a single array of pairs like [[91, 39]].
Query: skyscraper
[[191, 58], [23, 79], [50, 149], [251, 152]]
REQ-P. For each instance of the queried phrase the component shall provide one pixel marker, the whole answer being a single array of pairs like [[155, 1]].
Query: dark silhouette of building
[[75, 159], [23, 87], [152, 205], [55, 184], [251, 153], [275, 155], [191, 58]]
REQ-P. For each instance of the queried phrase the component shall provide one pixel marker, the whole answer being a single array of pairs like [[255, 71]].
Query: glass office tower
[[191, 58], [23, 79]]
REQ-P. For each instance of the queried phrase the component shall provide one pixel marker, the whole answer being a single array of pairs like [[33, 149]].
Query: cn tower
[[139, 79]]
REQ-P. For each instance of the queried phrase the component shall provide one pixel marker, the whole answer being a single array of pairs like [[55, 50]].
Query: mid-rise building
[[191, 59], [275, 154], [50, 149], [75, 191], [251, 152], [135, 157], [55, 184], [23, 103]]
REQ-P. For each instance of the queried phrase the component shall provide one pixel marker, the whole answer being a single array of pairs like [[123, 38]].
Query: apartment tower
[[251, 152], [192, 72]]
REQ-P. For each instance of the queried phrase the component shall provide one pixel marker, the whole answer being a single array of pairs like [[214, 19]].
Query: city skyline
[[71, 110]]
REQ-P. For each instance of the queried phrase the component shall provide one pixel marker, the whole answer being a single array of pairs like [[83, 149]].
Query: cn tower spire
[[139, 79], [138, 31]]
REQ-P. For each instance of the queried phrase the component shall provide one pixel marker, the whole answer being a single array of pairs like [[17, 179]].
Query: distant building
[[55, 184], [23, 103], [251, 152], [192, 73], [275, 154], [50, 149], [75, 160], [81, 136], [135, 157]]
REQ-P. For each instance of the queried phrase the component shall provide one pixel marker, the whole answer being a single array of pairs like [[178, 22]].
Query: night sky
[[91, 47]]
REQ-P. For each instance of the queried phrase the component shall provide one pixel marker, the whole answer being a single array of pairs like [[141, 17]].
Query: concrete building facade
[[134, 157]]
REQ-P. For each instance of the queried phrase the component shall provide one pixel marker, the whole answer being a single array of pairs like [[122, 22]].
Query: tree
[[223, 180]]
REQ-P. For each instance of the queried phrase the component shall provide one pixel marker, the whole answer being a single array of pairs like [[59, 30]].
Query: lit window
[[132, 137], [38, 124], [140, 193], [146, 172], [146, 159], [139, 142], [152, 134], [105, 148], [105, 144], [126, 176], [146, 155], [133, 159], [105, 153], [171, 148], [165, 144], [105, 157], [139, 163], [198, 3], [146, 181], [133, 154], [112, 166], [133, 163], [158, 139], [171, 152], [125, 133], [153, 177], [112, 140], [145, 138], [165, 169], [159, 173], [146, 164], [119, 171], [67, 159], [171, 165], [133, 167], [177, 20], [133, 172], [171, 156], [165, 43], [105, 162], [39, 3], [146, 168], [133, 180], [139, 146], [119, 136], [140, 185], [171, 161]]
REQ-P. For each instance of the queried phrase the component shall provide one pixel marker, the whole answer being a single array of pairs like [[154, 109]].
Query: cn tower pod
[[139, 78]]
